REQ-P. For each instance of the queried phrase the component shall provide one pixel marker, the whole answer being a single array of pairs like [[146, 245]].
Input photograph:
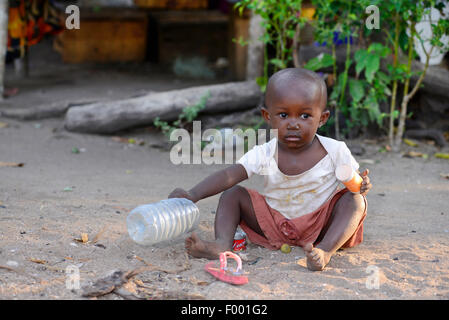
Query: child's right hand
[[181, 193]]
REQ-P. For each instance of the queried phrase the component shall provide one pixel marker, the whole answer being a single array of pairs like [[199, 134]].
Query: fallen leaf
[[120, 139], [441, 155], [84, 238], [98, 235], [38, 261], [410, 143], [330, 79], [367, 161], [135, 141], [12, 164], [3, 125], [386, 148], [415, 154], [445, 175], [197, 282]]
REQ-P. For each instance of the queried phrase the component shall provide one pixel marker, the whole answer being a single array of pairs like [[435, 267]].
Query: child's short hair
[[301, 76]]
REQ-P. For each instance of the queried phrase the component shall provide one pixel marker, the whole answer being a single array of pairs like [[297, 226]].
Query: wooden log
[[109, 117]]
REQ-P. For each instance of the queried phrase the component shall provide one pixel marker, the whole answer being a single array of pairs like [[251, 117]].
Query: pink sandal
[[224, 273]]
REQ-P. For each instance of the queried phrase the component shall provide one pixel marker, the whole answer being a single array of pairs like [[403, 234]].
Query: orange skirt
[[298, 231]]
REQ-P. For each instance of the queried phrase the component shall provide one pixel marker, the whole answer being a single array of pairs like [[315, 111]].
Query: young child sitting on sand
[[301, 204]]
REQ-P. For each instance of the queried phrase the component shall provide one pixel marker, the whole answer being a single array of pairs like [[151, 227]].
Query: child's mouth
[[292, 138]]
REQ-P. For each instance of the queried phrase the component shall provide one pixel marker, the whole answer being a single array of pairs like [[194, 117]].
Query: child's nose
[[293, 124]]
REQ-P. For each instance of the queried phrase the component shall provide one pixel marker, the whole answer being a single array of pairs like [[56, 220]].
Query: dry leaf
[[98, 235], [3, 125], [197, 282], [135, 141], [330, 80], [367, 161], [120, 139], [38, 261], [410, 143], [414, 154], [84, 238], [388, 148], [445, 175], [12, 164]]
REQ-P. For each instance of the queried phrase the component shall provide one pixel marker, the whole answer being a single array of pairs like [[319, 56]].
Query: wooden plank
[[238, 54], [187, 34], [172, 4], [104, 41], [111, 13], [189, 17]]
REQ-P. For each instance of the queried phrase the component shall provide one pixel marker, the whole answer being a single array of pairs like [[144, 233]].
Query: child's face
[[295, 115]]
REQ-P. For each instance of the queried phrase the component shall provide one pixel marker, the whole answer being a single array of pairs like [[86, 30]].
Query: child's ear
[[324, 117], [265, 114]]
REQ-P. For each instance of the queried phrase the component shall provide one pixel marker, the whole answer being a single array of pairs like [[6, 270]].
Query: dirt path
[[58, 195]]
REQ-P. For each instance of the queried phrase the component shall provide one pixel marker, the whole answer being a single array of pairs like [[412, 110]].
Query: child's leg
[[345, 218], [234, 205]]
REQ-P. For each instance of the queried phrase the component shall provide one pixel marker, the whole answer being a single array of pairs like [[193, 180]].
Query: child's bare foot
[[317, 258], [203, 249]]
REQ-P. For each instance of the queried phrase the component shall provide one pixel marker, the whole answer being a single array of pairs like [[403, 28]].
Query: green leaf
[[395, 114], [321, 61], [278, 63], [378, 49], [372, 66], [361, 57], [356, 89], [262, 83]]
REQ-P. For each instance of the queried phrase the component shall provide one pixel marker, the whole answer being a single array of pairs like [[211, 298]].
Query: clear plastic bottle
[[164, 220]]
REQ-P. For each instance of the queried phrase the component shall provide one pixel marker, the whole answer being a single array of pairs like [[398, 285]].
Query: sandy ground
[[58, 195], [406, 230]]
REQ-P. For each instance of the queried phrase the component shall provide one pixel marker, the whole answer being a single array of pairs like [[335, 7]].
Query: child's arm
[[213, 184]]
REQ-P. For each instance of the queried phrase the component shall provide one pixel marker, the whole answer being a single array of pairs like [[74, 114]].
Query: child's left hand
[[366, 185]]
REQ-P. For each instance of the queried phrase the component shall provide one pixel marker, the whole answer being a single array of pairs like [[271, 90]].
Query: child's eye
[[305, 115], [283, 115]]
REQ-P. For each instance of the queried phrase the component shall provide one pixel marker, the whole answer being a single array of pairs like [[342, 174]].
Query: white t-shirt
[[297, 195]]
